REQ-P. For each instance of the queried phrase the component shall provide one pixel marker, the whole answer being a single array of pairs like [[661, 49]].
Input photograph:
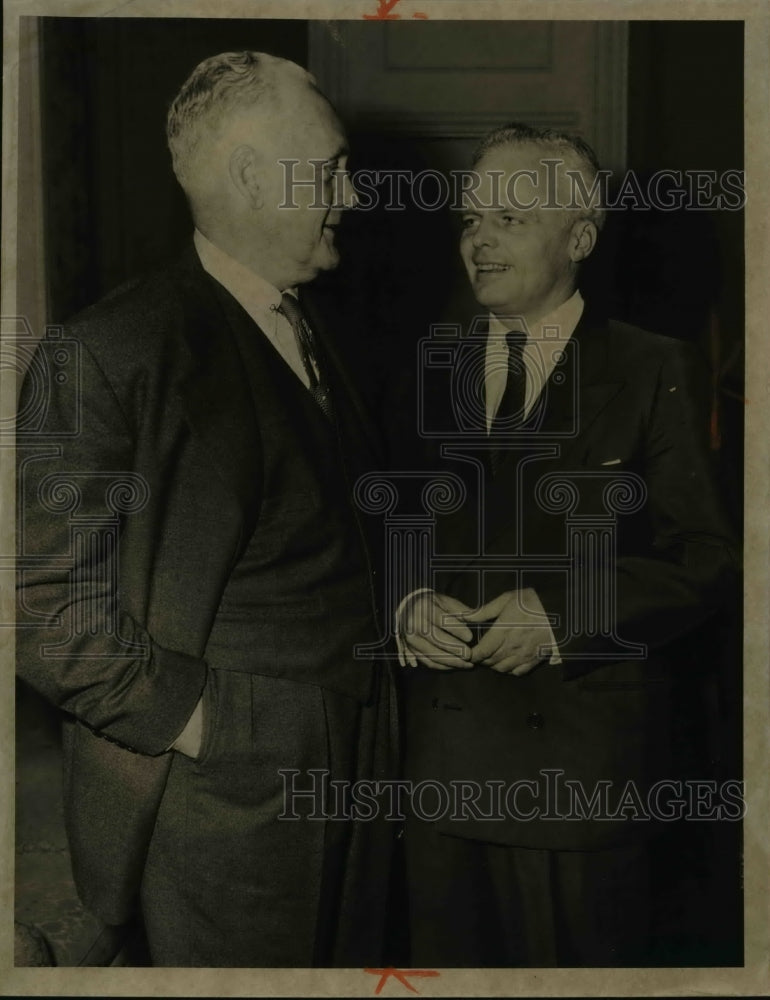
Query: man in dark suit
[[564, 593], [194, 576]]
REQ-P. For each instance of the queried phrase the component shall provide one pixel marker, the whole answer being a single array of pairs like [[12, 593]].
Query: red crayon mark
[[384, 8], [423, 17], [401, 975]]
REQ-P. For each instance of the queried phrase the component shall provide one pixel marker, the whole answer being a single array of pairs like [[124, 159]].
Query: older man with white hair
[[205, 660]]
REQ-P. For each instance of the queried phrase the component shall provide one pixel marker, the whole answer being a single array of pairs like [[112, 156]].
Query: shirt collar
[[560, 322], [256, 295]]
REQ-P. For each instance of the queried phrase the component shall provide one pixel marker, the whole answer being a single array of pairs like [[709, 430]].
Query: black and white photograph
[[385, 499]]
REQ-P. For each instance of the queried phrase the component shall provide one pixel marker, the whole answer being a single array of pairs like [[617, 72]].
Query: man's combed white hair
[[216, 87]]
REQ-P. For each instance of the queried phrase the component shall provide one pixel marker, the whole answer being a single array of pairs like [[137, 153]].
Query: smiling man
[[590, 551], [520, 245], [208, 644]]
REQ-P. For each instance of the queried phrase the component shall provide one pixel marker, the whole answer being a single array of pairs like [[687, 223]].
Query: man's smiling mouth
[[491, 268]]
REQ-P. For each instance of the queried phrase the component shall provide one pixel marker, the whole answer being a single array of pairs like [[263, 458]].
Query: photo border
[[754, 977]]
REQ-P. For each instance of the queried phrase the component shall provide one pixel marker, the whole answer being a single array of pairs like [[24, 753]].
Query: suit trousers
[[230, 879], [475, 904]]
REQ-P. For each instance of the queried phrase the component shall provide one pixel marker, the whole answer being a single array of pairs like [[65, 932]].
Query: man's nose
[[346, 195], [484, 235]]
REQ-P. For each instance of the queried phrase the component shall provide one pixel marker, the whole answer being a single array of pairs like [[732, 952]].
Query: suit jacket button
[[535, 720]]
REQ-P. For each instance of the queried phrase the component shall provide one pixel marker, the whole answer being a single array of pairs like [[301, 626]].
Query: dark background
[[113, 209]]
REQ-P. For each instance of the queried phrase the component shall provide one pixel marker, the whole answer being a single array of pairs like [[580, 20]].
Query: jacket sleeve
[[689, 567], [76, 488]]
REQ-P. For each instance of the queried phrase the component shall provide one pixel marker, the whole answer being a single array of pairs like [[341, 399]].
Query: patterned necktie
[[510, 412], [319, 388]]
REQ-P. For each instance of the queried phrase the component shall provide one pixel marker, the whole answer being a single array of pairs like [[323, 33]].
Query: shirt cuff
[[405, 657], [554, 659]]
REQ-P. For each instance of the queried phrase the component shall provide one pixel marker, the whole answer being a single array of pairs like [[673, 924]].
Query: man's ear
[[582, 240], [245, 175]]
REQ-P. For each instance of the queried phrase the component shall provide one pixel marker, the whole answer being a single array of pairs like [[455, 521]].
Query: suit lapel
[[595, 385], [215, 394], [340, 380], [576, 393]]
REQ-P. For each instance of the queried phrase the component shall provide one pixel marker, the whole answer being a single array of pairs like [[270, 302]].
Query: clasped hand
[[435, 632]]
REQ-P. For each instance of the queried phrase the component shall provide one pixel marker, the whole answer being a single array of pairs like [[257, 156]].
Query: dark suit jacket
[[614, 456], [153, 396]]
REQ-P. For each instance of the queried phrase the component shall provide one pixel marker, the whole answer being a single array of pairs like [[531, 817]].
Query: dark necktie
[[510, 412], [303, 334]]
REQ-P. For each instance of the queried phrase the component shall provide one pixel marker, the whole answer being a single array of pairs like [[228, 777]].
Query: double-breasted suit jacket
[[606, 505]]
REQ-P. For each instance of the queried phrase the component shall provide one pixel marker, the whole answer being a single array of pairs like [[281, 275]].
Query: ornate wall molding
[[610, 132], [446, 125], [581, 86]]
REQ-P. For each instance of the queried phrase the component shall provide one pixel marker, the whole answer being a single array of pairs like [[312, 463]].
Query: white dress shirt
[[258, 297], [544, 344]]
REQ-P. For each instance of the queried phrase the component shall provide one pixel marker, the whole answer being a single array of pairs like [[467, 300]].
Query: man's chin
[[328, 257], [488, 298], [325, 259]]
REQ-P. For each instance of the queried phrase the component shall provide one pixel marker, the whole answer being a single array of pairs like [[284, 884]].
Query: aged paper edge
[[754, 977]]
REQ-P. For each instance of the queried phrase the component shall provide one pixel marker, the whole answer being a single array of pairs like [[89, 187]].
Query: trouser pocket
[[227, 712]]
